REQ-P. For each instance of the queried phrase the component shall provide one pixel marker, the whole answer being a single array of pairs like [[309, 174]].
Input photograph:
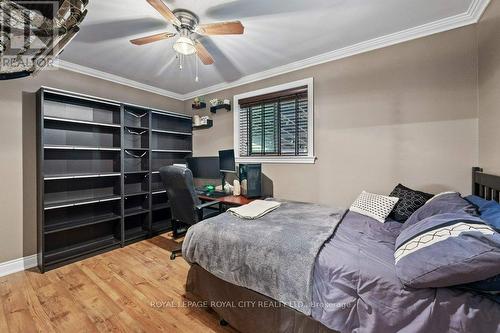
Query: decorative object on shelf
[[199, 103], [45, 30], [204, 120], [196, 120], [227, 102], [189, 30], [216, 101], [209, 124]]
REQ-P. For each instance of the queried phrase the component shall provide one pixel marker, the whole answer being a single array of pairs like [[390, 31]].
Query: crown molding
[[116, 79], [471, 16], [18, 265]]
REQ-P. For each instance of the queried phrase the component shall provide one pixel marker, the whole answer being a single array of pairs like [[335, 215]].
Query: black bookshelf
[[98, 162]]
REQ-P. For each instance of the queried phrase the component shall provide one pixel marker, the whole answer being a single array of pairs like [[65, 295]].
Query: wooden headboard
[[484, 185]]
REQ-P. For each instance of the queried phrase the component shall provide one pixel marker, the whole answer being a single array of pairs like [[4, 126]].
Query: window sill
[[278, 159]]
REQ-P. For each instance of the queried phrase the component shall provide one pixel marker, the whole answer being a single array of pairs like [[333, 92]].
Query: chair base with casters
[[203, 214], [185, 206]]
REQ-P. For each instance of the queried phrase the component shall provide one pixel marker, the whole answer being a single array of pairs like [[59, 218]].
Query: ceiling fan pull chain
[[196, 79], [181, 57]]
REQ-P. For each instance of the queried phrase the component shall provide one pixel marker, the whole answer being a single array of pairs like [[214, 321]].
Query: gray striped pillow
[[447, 250]]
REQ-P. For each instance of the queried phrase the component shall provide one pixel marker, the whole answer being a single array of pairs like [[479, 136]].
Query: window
[[275, 125]]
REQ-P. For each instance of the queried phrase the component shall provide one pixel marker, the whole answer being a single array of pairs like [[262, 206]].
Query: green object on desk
[[209, 188]]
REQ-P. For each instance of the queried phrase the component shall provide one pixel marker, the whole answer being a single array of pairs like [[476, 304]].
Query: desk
[[230, 200]]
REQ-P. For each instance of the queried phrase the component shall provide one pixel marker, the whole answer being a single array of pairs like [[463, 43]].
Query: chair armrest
[[207, 204]]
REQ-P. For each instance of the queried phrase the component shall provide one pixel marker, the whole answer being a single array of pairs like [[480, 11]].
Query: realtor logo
[[27, 34]]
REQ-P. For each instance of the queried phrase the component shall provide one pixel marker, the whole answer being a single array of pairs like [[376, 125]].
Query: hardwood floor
[[133, 289]]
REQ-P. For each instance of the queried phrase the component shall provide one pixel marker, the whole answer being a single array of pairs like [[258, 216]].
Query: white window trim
[[310, 158]]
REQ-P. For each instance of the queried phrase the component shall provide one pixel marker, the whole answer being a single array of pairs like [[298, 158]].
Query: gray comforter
[[354, 284], [273, 255], [356, 288]]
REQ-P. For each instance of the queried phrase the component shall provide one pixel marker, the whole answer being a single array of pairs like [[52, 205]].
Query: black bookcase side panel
[[150, 184], [122, 178], [40, 179]]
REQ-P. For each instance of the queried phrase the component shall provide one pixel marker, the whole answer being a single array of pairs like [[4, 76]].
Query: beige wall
[[17, 141], [406, 113], [489, 88]]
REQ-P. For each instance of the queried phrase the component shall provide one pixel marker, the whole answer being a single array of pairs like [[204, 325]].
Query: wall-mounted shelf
[[226, 107], [209, 124], [199, 106], [96, 191]]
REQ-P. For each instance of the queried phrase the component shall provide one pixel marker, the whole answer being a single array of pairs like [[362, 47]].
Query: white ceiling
[[277, 33]]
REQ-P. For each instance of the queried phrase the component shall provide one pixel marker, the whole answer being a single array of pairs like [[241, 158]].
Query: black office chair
[[185, 206]]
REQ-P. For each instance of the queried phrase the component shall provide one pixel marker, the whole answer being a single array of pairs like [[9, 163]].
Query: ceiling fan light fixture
[[184, 46]]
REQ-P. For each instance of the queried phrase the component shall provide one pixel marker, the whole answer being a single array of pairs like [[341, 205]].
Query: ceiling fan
[[187, 25]]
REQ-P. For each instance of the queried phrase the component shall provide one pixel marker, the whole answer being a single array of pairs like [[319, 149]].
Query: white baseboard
[[18, 265]]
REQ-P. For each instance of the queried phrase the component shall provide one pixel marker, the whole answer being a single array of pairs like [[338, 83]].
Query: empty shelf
[[79, 202], [161, 191], [81, 175], [138, 149], [161, 206], [170, 114], [136, 172], [136, 193], [170, 151], [68, 147], [69, 252], [161, 226], [135, 211], [78, 223], [84, 122], [135, 233], [171, 132]]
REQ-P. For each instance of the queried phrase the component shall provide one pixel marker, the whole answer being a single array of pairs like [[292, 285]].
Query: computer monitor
[[226, 161], [204, 167]]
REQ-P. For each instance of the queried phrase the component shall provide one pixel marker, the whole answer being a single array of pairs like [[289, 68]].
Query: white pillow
[[373, 205]]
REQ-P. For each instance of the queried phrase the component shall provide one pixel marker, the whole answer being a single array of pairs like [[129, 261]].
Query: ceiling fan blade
[[152, 38], [162, 8], [221, 28], [203, 54]]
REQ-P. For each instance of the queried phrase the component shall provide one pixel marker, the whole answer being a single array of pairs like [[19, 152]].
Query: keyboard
[[215, 194]]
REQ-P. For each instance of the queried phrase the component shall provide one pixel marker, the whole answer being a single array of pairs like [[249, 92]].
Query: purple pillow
[[447, 250], [448, 202]]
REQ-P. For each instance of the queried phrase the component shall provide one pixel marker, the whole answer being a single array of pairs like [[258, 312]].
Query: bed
[[354, 288]]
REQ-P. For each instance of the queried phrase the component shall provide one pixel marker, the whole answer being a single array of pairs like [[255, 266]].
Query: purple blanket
[[355, 288]]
